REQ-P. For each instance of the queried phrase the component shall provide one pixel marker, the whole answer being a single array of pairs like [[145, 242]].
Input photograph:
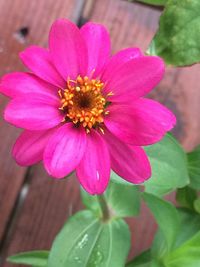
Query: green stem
[[104, 207]]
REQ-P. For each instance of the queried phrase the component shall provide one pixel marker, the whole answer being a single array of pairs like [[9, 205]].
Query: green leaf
[[35, 258], [186, 255], [86, 241], [168, 221], [188, 228], [190, 225], [169, 167], [143, 260], [156, 263], [194, 168], [197, 205], [178, 37], [123, 200], [186, 197], [151, 2]]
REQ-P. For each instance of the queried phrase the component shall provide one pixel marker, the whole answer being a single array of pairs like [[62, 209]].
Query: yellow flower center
[[83, 103]]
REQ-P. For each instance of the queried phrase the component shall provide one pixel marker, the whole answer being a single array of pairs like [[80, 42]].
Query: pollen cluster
[[82, 102]]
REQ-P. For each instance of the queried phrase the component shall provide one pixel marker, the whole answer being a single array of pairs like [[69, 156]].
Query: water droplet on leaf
[[82, 243], [96, 258]]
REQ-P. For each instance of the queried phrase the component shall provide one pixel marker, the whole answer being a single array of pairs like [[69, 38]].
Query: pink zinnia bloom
[[83, 110]]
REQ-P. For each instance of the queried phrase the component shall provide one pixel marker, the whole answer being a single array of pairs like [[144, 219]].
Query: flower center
[[83, 103]]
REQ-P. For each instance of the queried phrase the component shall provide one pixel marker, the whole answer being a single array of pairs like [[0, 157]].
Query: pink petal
[[20, 83], [30, 146], [39, 61], [118, 60], [129, 162], [98, 45], [93, 171], [143, 123], [64, 151], [135, 78], [33, 113], [68, 49]]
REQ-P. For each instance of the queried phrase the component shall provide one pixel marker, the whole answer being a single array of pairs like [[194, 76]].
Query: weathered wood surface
[[34, 204]]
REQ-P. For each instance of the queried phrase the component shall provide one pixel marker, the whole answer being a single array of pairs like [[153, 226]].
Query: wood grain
[[46, 207], [48, 203]]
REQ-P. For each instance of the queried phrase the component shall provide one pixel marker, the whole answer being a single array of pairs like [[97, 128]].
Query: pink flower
[[83, 110]]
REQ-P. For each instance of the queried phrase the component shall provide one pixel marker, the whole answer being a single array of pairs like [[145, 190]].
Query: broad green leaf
[[156, 263], [143, 260], [186, 255], [159, 246], [197, 205], [186, 197], [178, 37], [86, 241], [167, 219], [169, 167], [35, 258], [194, 168], [190, 225], [151, 2], [123, 200]]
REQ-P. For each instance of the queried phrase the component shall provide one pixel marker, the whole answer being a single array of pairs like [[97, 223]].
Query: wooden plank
[[22, 23], [45, 206], [11, 176]]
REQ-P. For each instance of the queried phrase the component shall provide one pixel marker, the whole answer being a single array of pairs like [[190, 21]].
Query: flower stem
[[104, 207]]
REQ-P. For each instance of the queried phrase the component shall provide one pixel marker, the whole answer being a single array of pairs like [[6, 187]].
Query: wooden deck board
[[46, 207], [48, 203]]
